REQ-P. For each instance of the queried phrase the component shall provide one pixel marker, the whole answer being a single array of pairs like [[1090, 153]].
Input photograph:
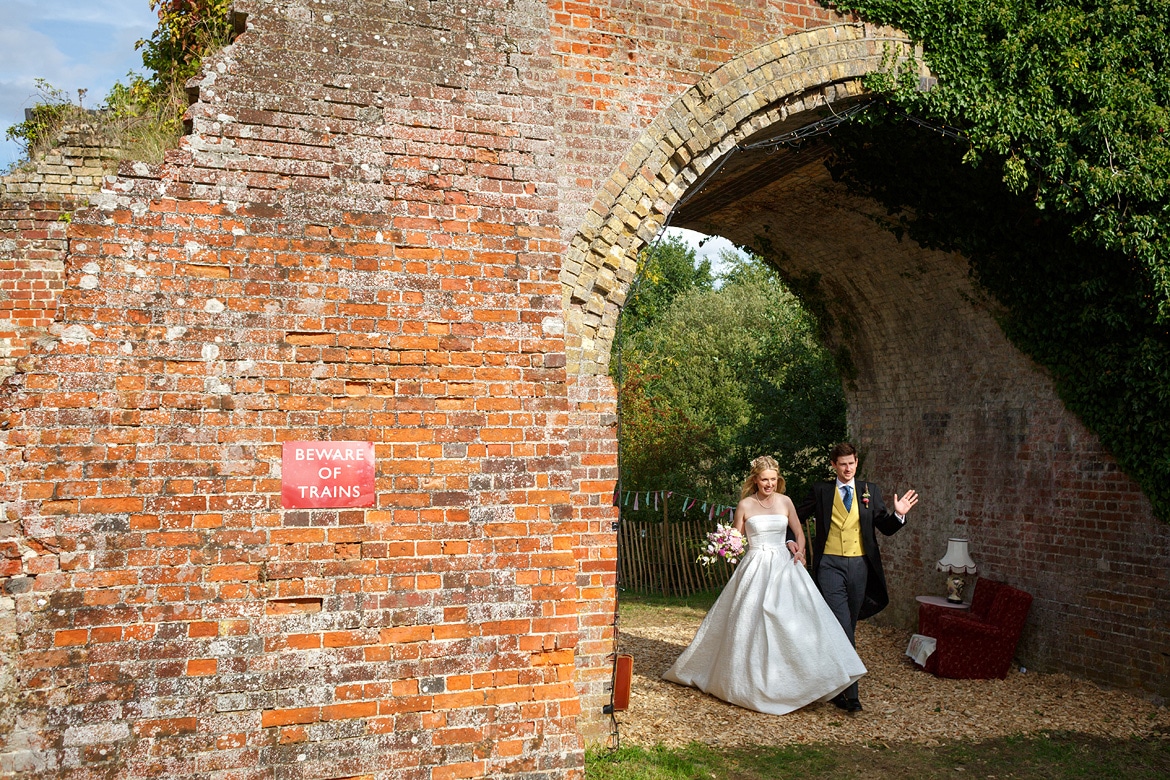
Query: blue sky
[[72, 44]]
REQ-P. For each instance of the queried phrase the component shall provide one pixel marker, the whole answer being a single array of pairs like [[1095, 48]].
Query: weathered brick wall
[[620, 64], [362, 239], [360, 242], [411, 224], [37, 201]]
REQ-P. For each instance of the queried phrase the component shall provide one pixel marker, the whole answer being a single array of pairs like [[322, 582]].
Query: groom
[[847, 566]]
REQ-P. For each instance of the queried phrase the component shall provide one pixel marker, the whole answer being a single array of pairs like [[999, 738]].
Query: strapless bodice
[[767, 532]]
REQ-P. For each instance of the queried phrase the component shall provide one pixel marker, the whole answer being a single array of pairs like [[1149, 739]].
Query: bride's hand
[[797, 554]]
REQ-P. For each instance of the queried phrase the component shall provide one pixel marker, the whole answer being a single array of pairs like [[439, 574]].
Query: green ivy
[[1084, 312], [1067, 98], [1057, 192]]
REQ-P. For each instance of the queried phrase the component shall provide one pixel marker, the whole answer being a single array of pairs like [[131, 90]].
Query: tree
[[721, 376], [666, 271]]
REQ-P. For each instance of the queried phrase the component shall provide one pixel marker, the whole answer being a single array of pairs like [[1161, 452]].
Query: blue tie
[[848, 499]]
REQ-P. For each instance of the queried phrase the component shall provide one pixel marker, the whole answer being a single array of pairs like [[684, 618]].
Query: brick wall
[[37, 200], [360, 241], [620, 64], [409, 224]]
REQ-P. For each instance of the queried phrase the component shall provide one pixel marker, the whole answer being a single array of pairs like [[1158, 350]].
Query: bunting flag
[[644, 499]]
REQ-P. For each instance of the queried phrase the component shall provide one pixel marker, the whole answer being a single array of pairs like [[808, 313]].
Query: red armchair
[[978, 644]]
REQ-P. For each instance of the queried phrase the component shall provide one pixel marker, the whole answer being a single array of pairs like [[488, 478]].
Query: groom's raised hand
[[906, 502]]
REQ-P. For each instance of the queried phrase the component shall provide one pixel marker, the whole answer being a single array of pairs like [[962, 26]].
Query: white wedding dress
[[770, 642]]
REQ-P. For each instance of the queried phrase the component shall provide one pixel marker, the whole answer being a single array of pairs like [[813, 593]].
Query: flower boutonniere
[[865, 496]]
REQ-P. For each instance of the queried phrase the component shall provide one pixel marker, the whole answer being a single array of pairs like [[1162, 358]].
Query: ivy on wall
[[1068, 98], [1058, 192], [1084, 312]]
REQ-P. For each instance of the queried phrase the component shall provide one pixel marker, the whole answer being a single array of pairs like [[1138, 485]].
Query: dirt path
[[902, 703]]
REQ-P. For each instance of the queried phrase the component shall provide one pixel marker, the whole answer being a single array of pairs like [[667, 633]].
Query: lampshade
[[957, 560]]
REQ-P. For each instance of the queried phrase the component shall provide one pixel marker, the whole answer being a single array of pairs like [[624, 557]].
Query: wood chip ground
[[902, 702]]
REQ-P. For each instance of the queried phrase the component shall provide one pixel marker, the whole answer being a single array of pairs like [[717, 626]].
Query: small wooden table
[[921, 646], [941, 601]]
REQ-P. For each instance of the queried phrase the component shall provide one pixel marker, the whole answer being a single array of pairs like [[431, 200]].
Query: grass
[[1061, 756], [630, 601]]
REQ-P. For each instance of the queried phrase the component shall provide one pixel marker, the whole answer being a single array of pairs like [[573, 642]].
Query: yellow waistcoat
[[844, 528]]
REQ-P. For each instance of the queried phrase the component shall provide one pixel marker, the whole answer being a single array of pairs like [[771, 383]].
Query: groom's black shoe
[[849, 705]]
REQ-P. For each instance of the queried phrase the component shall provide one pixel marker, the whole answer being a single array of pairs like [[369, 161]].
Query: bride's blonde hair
[[760, 465]]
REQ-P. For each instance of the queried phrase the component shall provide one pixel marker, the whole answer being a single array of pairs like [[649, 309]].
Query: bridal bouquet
[[724, 543]]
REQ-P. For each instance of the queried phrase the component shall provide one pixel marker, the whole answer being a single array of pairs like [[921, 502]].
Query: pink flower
[[724, 543]]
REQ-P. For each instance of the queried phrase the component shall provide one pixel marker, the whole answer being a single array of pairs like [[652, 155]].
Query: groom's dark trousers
[[853, 587], [842, 580]]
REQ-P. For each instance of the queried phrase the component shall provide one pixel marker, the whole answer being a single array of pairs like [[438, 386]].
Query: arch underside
[[771, 91], [938, 398]]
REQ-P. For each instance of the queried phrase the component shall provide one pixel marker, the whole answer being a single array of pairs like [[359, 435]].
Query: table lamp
[[957, 561]]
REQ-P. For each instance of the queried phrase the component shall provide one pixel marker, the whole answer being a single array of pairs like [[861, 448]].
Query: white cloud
[[72, 44], [706, 247]]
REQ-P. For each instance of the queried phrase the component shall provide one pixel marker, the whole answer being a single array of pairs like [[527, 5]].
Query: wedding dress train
[[770, 642]]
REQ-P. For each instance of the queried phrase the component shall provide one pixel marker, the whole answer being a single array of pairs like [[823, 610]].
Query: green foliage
[[187, 31], [145, 113], [1084, 312], [665, 273], [46, 119], [148, 117], [1061, 201], [1068, 99], [716, 377], [152, 108]]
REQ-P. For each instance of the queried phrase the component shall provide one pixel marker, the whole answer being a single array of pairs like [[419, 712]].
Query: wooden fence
[[661, 557]]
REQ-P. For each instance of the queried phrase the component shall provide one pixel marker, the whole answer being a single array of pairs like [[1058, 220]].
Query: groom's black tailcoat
[[819, 504]]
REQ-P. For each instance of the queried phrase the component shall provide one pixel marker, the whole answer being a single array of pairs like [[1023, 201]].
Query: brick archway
[[774, 84], [365, 237], [776, 87], [939, 399]]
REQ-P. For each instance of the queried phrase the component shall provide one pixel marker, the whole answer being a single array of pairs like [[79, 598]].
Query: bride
[[770, 642]]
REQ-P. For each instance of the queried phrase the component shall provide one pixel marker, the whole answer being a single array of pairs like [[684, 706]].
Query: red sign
[[322, 474]]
